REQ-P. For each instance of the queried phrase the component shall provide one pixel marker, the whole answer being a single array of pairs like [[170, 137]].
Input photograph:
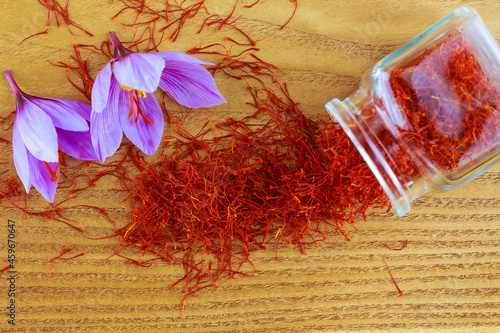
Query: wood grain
[[449, 272]]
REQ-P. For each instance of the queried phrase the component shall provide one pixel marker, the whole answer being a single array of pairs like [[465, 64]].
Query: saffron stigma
[[135, 94], [54, 174]]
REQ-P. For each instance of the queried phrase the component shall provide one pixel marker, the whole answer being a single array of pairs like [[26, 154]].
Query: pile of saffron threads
[[212, 198], [272, 176]]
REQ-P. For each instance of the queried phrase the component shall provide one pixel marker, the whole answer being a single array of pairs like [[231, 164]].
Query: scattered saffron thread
[[226, 191], [169, 21], [390, 248], [37, 34], [392, 277], [51, 263], [296, 2], [6, 268]]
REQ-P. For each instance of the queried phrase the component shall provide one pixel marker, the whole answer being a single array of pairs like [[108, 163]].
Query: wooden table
[[449, 272]]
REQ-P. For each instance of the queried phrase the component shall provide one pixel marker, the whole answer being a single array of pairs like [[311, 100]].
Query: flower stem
[[120, 50], [15, 88]]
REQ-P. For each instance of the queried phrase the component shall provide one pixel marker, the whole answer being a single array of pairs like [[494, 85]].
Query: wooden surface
[[449, 272]]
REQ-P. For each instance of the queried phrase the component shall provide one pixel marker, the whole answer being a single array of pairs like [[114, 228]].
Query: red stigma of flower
[[53, 173], [134, 102]]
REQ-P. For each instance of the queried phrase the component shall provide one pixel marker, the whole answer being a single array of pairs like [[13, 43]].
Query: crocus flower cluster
[[42, 127], [122, 102]]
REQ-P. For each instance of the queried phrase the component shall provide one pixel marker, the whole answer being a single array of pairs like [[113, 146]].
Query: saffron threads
[[6, 268], [148, 21], [214, 197], [170, 21], [60, 13], [51, 263], [392, 277]]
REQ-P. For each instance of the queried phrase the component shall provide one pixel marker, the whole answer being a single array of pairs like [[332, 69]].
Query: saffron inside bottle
[[428, 116]]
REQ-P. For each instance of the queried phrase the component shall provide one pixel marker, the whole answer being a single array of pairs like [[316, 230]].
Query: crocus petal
[[81, 109], [76, 144], [105, 127], [61, 115], [100, 89], [190, 84], [21, 160], [146, 137], [179, 56], [139, 71], [42, 179], [37, 131]]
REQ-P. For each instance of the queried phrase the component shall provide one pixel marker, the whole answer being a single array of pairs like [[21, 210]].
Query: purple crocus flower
[[43, 126], [123, 101]]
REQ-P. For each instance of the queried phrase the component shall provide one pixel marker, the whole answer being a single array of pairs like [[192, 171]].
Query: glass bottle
[[428, 115]]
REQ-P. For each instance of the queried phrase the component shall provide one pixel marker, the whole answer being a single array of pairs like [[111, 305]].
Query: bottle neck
[[373, 133]]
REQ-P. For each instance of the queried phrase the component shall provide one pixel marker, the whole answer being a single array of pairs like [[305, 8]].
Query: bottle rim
[[340, 112]]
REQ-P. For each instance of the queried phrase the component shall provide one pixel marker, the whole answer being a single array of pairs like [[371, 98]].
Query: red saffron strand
[[296, 2], [390, 248], [148, 20], [253, 4], [53, 173], [6, 268], [37, 34], [392, 277], [51, 263]]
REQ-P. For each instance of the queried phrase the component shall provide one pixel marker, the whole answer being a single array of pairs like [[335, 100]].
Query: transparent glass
[[427, 117]]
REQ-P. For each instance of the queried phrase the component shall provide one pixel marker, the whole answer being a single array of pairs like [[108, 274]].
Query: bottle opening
[[391, 164]]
